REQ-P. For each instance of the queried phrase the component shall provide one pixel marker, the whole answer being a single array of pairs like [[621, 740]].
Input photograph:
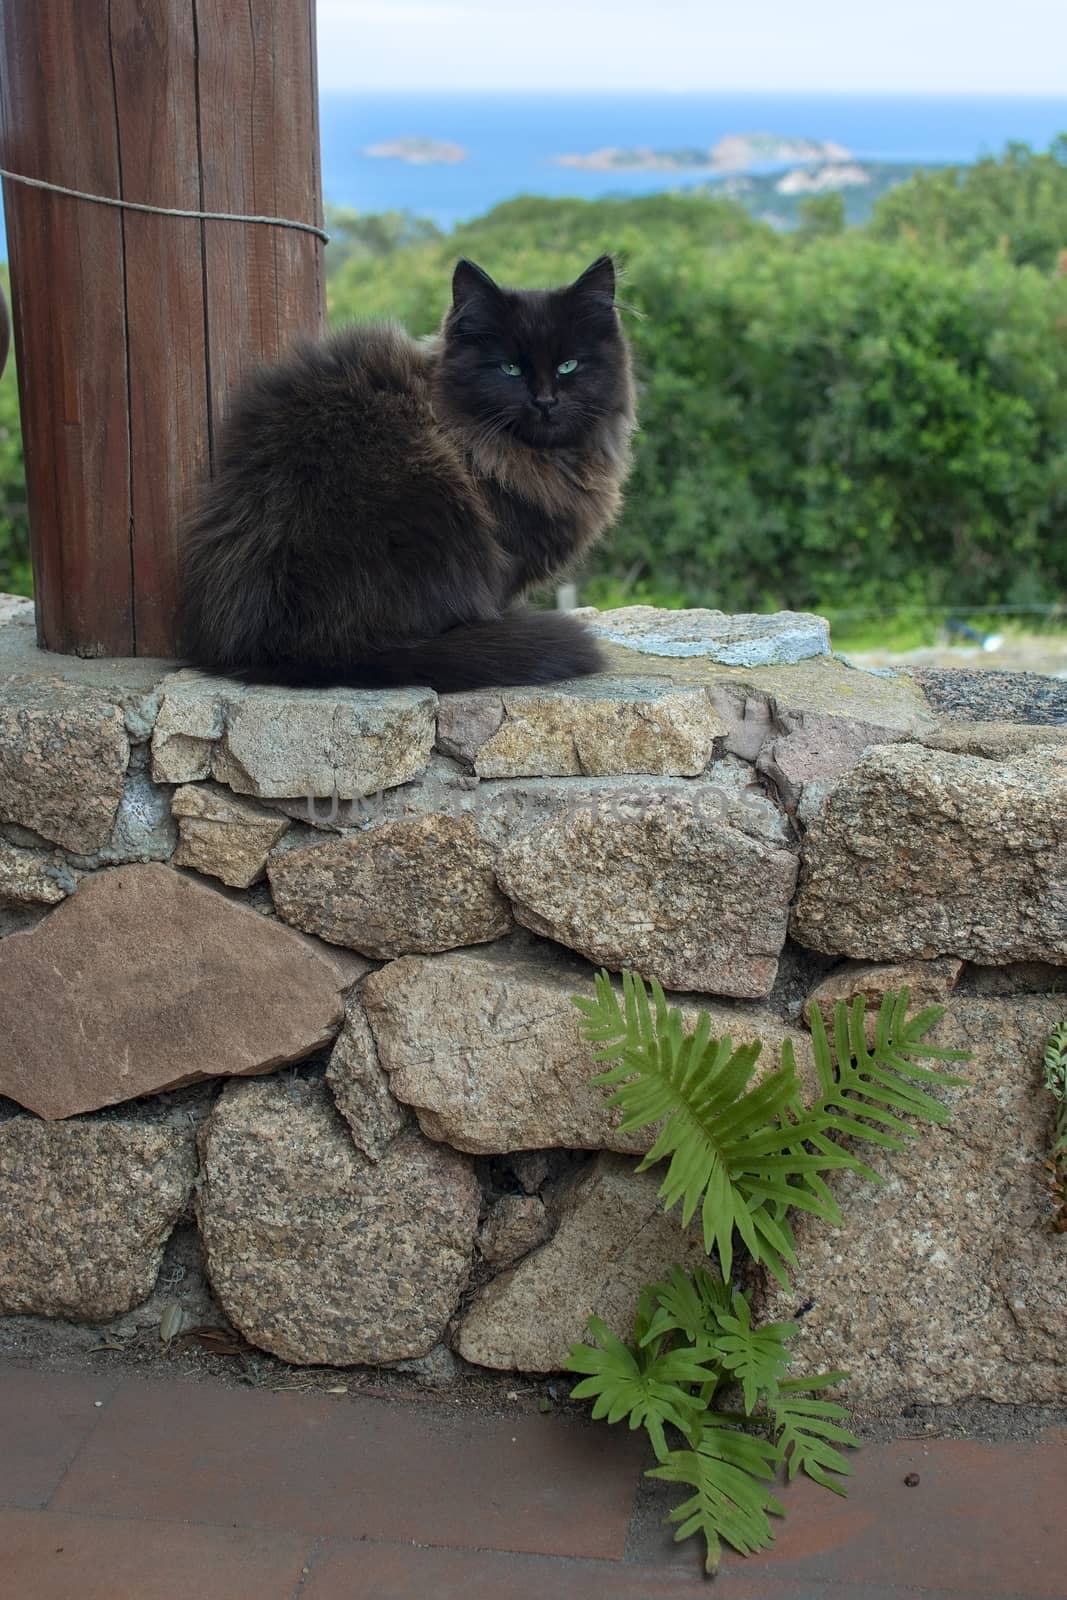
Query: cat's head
[[546, 366]]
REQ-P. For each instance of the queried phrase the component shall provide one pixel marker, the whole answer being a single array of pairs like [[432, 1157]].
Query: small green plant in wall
[[1055, 1064], [743, 1157]]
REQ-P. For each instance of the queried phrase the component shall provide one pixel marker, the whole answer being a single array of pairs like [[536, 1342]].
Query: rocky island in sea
[[418, 151], [735, 153]]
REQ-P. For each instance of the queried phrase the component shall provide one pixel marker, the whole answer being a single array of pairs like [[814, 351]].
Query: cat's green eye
[[511, 369], [565, 368]]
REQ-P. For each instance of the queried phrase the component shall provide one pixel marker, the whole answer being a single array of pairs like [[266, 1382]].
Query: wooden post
[[131, 330]]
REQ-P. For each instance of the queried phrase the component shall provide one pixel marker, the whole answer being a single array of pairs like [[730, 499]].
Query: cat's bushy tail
[[521, 647]]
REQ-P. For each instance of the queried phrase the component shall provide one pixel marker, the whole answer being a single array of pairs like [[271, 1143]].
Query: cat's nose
[[546, 404]]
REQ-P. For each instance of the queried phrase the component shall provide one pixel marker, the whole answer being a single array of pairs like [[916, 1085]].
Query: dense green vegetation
[[759, 193], [14, 532], [833, 417]]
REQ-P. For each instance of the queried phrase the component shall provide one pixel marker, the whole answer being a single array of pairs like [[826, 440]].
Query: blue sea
[[511, 139]]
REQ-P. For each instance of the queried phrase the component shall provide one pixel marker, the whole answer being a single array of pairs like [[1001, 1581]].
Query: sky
[[847, 46]]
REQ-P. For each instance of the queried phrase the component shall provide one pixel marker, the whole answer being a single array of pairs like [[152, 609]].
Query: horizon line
[[502, 90]]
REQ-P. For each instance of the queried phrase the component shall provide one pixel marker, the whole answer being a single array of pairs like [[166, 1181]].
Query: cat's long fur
[[379, 504]]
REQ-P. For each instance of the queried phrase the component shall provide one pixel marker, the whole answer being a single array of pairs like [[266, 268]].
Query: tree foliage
[[14, 523], [1014, 206]]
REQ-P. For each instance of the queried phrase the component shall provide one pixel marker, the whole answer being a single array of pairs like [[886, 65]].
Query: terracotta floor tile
[[342, 1571], [984, 1520], [44, 1418], [358, 1468], [403, 1572], [48, 1555]]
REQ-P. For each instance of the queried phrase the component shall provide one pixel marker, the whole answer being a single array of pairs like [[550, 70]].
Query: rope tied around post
[[163, 211]]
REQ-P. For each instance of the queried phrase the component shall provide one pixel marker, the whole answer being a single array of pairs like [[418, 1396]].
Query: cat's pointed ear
[[599, 280], [470, 282]]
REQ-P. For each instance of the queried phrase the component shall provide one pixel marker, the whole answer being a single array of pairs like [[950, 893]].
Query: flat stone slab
[[86, 1208], [318, 1254], [820, 686], [143, 980], [33, 877], [281, 743], [744, 640], [16, 608], [997, 741], [223, 834], [360, 1085], [593, 727], [929, 983], [965, 695], [418, 884], [503, 808], [662, 890], [131, 682]]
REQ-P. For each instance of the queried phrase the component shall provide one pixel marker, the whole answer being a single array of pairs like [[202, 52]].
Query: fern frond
[[745, 1156], [727, 1470], [757, 1357], [777, 1245], [646, 1385], [880, 1084], [688, 1305], [807, 1430], [1055, 1065], [728, 1147]]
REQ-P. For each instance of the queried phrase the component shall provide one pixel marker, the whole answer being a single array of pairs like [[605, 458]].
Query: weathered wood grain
[[68, 298], [132, 330], [260, 148], [154, 55]]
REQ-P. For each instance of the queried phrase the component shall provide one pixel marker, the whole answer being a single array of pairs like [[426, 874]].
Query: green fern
[[757, 1358], [746, 1156], [728, 1470], [728, 1147], [879, 1084], [691, 1339], [686, 1304], [1055, 1064], [807, 1430], [646, 1384]]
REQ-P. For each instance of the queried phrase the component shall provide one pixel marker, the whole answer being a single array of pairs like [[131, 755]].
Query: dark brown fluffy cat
[[380, 503]]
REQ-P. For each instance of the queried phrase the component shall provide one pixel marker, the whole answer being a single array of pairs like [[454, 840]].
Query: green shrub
[[847, 423], [1015, 205], [14, 525]]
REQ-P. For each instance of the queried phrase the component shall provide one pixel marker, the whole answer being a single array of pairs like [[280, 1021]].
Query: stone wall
[[285, 987]]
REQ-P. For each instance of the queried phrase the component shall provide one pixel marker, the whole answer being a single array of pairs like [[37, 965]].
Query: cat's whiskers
[[490, 432]]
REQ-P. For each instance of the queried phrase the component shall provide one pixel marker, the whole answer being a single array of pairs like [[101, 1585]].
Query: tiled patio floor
[[119, 1488]]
